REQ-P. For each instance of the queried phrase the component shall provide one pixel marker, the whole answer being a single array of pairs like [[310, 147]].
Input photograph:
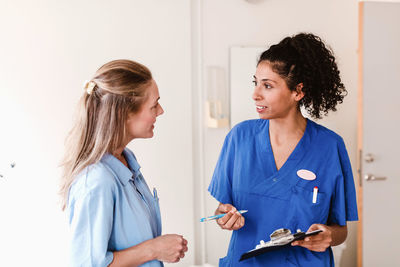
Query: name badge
[[306, 174]]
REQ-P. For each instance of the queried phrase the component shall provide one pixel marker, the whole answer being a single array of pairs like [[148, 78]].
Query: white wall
[[229, 23], [48, 49]]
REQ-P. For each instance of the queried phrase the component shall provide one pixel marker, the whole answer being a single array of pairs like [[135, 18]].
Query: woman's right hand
[[233, 220], [170, 248]]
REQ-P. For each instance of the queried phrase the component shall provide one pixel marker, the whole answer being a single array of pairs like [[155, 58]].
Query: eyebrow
[[157, 100], [264, 80]]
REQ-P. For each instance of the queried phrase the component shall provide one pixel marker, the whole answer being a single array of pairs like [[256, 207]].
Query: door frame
[[360, 136]]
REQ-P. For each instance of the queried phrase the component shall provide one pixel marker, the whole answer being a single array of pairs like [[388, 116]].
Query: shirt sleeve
[[91, 219], [344, 202], [221, 183]]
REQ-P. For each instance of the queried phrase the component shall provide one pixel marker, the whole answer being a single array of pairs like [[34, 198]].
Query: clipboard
[[263, 249]]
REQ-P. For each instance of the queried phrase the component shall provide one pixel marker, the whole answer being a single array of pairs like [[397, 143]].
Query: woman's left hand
[[319, 242]]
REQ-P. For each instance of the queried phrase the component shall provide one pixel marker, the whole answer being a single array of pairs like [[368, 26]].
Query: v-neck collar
[[296, 155]]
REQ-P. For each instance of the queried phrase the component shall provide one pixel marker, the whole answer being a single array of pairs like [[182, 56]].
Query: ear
[[298, 93]]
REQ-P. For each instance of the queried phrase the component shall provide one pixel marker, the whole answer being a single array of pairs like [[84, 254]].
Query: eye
[[255, 82], [267, 86], [155, 106]]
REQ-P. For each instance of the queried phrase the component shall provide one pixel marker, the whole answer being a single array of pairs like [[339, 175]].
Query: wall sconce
[[217, 98]]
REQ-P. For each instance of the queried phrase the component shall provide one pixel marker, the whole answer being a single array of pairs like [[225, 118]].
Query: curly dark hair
[[304, 58]]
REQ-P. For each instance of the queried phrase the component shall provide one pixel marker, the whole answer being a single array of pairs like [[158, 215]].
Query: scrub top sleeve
[[344, 202], [91, 226], [221, 183]]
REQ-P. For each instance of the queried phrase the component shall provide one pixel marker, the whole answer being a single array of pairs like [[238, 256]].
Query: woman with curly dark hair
[[286, 170]]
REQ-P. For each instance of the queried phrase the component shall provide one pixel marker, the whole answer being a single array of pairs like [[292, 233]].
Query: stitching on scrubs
[[261, 195]]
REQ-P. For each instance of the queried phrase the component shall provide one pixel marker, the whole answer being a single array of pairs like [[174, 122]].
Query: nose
[[256, 94], [161, 111]]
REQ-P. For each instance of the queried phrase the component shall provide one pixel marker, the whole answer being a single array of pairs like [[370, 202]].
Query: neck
[[118, 154], [288, 128]]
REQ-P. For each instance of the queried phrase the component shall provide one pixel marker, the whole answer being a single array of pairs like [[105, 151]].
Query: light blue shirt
[[111, 208]]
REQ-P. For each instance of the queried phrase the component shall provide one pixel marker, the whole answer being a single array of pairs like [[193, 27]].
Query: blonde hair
[[117, 89]]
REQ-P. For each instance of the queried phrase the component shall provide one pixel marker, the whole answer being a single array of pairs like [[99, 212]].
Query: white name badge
[[306, 175]]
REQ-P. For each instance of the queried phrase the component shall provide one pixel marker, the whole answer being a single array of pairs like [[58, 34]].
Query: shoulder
[[94, 179], [327, 136], [249, 128]]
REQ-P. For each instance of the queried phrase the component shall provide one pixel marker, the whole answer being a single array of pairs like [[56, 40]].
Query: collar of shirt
[[123, 173]]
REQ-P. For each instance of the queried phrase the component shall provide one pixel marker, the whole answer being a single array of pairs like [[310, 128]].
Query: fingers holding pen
[[239, 223], [232, 220], [229, 219], [226, 209]]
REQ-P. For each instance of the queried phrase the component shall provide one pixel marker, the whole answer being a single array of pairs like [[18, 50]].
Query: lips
[[260, 108]]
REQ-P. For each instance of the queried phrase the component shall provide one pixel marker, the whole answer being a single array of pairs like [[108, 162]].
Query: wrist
[[329, 231], [151, 251], [338, 234]]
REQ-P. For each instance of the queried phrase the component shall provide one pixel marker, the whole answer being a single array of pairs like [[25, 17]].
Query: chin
[[264, 117], [150, 135], [145, 135]]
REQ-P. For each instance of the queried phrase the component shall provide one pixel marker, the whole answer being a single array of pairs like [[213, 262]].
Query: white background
[[49, 48]]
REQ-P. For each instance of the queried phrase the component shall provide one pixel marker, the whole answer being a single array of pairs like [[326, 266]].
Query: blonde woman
[[114, 218]]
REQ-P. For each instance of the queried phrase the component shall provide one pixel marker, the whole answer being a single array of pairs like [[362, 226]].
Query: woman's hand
[[169, 248], [233, 220], [319, 242], [331, 235]]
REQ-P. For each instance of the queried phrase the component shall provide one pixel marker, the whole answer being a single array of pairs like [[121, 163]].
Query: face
[[273, 98], [141, 124]]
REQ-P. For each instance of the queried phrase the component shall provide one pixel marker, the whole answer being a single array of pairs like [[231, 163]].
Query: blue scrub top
[[111, 208], [246, 177]]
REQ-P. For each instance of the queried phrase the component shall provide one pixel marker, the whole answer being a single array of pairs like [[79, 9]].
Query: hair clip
[[89, 86]]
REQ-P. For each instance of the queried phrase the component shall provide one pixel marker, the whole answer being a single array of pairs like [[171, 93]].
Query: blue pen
[[155, 193], [214, 217]]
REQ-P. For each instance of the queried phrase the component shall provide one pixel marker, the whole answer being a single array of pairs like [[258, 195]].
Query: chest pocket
[[304, 212]]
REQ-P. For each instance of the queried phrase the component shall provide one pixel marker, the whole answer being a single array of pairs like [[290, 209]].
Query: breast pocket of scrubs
[[304, 211], [157, 210]]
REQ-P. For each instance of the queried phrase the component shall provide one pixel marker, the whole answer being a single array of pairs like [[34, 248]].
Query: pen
[[315, 193], [214, 217], [155, 193]]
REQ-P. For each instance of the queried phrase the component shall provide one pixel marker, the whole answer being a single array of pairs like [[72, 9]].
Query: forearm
[[338, 233], [134, 256]]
